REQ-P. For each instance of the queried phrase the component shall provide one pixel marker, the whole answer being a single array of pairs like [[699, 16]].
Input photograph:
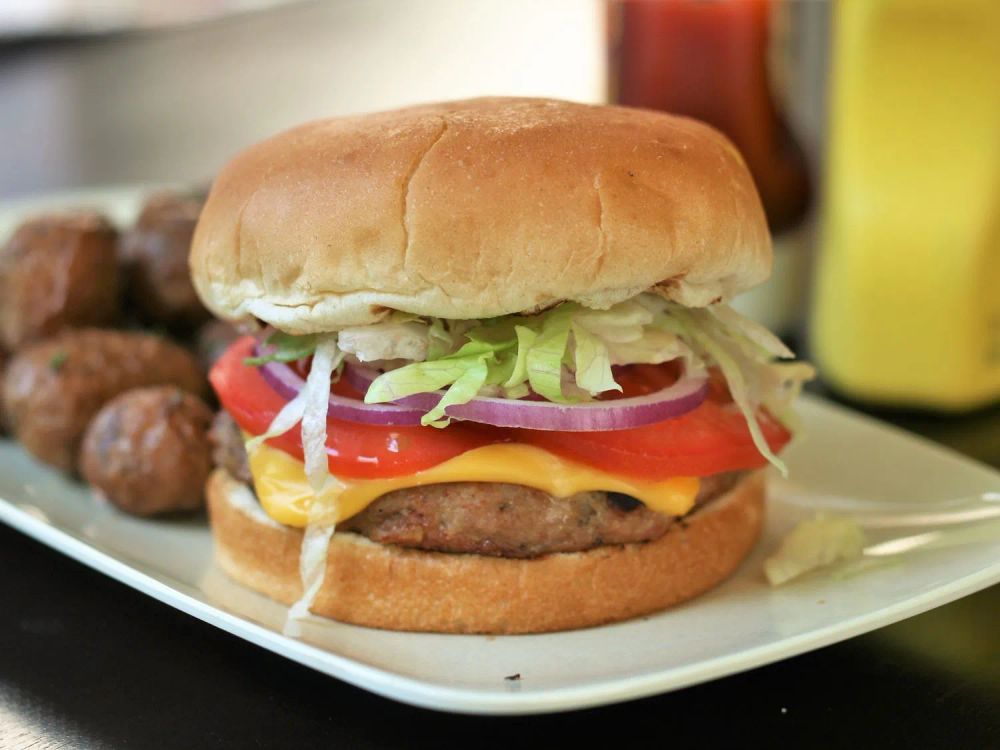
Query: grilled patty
[[490, 518]]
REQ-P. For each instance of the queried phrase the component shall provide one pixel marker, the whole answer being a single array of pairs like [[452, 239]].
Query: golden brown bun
[[477, 208], [385, 586]]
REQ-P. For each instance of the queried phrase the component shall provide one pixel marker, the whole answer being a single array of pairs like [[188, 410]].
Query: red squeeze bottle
[[708, 60]]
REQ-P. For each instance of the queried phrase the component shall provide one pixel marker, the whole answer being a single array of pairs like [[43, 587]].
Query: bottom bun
[[385, 586]]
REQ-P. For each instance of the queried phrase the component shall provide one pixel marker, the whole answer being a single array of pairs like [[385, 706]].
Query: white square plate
[[739, 625]]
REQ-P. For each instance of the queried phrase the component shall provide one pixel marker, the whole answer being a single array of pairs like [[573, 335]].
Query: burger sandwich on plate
[[496, 387]]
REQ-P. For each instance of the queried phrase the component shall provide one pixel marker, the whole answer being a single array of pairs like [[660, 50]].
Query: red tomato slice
[[708, 440], [354, 450]]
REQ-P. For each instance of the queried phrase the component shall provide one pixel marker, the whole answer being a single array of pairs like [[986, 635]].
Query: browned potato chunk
[[155, 254], [58, 271], [52, 389], [148, 451]]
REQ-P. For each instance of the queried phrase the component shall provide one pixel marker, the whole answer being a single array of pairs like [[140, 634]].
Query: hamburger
[[495, 386]]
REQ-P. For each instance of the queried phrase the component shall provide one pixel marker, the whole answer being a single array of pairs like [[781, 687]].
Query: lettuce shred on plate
[[564, 354], [816, 543]]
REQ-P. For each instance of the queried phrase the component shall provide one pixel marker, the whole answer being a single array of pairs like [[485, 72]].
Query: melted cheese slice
[[286, 496]]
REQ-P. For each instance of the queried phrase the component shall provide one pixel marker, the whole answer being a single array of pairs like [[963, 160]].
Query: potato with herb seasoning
[[53, 389], [58, 271], [155, 257], [148, 451]]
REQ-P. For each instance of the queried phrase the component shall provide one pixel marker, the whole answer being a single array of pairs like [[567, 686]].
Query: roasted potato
[[58, 271], [148, 451], [155, 258], [52, 389]]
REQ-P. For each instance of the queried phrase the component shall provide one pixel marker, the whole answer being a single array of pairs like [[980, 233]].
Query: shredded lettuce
[[545, 357], [519, 373], [309, 408], [312, 570], [464, 373], [463, 390], [813, 544], [398, 336], [749, 332], [565, 354], [429, 376], [702, 328], [285, 348], [289, 416], [592, 363], [439, 340], [316, 394], [398, 341]]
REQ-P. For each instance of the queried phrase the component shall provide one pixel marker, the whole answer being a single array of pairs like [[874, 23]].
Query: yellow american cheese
[[284, 492]]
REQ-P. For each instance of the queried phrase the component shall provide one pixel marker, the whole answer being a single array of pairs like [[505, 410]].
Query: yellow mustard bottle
[[906, 308]]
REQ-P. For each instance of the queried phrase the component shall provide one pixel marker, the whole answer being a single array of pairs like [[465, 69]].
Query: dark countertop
[[87, 662]]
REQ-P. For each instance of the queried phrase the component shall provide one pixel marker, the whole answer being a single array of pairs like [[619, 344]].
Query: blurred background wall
[[172, 103]]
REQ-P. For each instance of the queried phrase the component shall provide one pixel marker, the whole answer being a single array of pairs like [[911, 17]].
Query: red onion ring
[[287, 383], [598, 416]]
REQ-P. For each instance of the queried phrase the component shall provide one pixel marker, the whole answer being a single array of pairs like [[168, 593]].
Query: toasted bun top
[[474, 209]]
